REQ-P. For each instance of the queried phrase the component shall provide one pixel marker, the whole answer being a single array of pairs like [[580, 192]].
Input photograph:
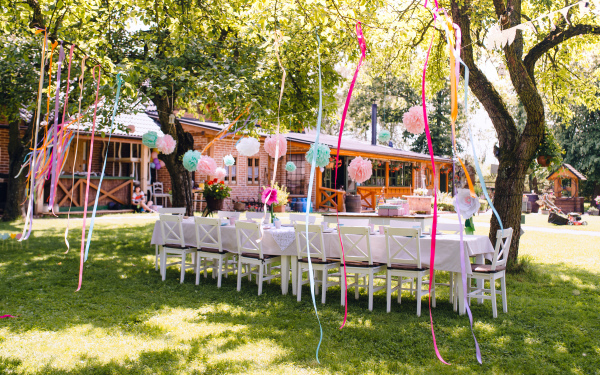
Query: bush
[[446, 207], [484, 205]]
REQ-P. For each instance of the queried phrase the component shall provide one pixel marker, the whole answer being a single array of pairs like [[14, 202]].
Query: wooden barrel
[[353, 203]]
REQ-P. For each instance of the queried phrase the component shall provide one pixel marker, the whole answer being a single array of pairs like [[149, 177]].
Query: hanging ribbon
[[54, 156], [89, 170], [310, 187], [224, 131], [98, 191], [363, 49]]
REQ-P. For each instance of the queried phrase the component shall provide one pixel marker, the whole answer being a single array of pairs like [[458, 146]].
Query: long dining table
[[281, 242]]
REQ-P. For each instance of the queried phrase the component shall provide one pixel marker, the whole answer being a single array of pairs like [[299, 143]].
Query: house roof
[[348, 144], [141, 121], [571, 169]]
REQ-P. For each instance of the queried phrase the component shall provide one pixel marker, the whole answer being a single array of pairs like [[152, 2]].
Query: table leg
[[285, 273], [294, 274], [460, 295], [479, 259]]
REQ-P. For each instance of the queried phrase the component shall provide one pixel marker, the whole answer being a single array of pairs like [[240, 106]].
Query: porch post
[[145, 154], [319, 179], [387, 178]]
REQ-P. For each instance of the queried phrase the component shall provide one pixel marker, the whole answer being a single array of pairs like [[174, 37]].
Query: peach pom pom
[[206, 166], [413, 120], [271, 143], [360, 170]]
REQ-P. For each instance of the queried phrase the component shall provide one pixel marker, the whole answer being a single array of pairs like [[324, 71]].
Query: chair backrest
[[208, 232], [396, 240], [301, 218], [354, 222], [454, 228], [404, 224], [172, 210], [502, 248], [228, 214], [258, 216], [157, 187], [312, 244], [357, 244], [171, 229], [248, 235]]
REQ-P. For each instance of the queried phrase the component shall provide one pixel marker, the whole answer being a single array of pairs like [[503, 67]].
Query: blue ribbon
[[112, 122]]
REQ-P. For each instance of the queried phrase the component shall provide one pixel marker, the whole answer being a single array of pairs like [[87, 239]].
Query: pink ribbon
[[6, 316], [363, 48]]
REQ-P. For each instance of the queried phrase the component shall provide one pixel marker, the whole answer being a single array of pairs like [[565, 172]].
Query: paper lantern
[[156, 163], [206, 166], [228, 160], [152, 165], [149, 139], [323, 153], [131, 129], [290, 166], [384, 136], [166, 144], [220, 173], [190, 160], [360, 170], [248, 146], [271, 144], [413, 120], [154, 155], [467, 204]]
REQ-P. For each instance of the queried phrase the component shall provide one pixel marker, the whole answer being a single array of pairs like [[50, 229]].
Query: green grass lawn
[[541, 221], [126, 320]]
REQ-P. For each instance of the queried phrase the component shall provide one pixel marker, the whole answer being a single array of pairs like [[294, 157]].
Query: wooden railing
[[330, 198], [113, 189], [370, 194]]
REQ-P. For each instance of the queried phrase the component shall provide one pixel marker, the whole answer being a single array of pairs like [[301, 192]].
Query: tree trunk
[[181, 179], [15, 195]]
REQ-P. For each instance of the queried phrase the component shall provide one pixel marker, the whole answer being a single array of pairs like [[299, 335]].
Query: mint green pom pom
[[149, 139], [290, 166], [190, 159], [323, 153], [384, 136]]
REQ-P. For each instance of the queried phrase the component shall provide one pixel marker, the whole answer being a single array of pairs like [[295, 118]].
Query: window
[[378, 176], [566, 183], [400, 174], [253, 171], [231, 178], [295, 180]]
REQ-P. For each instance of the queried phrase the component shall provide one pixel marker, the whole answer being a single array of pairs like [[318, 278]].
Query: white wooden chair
[[250, 253], [173, 244], [301, 218], [164, 211], [451, 228], [404, 224], [405, 265], [492, 272], [210, 248], [257, 216], [353, 222], [314, 246], [359, 261], [158, 193], [228, 214]]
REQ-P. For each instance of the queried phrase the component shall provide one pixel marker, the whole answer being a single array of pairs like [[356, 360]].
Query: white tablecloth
[[447, 256]]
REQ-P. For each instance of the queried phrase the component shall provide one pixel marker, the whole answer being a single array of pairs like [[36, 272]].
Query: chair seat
[[363, 264], [257, 256], [407, 267], [319, 260], [212, 250], [486, 268], [176, 246]]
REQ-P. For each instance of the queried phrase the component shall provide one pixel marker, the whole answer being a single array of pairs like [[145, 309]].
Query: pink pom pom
[[131, 129], [413, 120], [360, 170], [207, 166], [220, 173], [269, 196], [271, 143], [166, 144]]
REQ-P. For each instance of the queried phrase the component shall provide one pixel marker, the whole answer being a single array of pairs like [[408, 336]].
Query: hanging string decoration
[[206, 165], [166, 144], [322, 154], [248, 146], [149, 139], [467, 204], [414, 120], [384, 136], [152, 165], [360, 170], [220, 173], [228, 160], [190, 160], [156, 163], [271, 146], [290, 166]]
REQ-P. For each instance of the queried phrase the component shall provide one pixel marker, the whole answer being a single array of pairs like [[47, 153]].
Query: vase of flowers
[[282, 198], [269, 197], [215, 192]]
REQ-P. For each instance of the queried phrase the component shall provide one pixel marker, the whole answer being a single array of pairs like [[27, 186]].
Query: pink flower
[[206, 165], [360, 170], [220, 173], [413, 120], [166, 144], [271, 143], [269, 196]]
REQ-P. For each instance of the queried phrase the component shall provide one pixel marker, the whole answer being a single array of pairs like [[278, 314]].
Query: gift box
[[383, 212]]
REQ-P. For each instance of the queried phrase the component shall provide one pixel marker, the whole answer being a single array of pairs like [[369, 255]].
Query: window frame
[[253, 180], [229, 175]]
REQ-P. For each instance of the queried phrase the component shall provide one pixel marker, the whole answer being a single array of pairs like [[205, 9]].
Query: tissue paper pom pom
[[384, 136], [131, 129], [271, 143], [269, 196], [360, 170], [248, 146], [467, 205], [228, 160], [149, 139], [220, 173], [166, 144], [207, 166], [152, 166], [413, 120], [153, 155], [190, 160], [323, 153], [290, 166]]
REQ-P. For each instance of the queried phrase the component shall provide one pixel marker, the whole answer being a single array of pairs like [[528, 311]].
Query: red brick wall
[[3, 152]]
